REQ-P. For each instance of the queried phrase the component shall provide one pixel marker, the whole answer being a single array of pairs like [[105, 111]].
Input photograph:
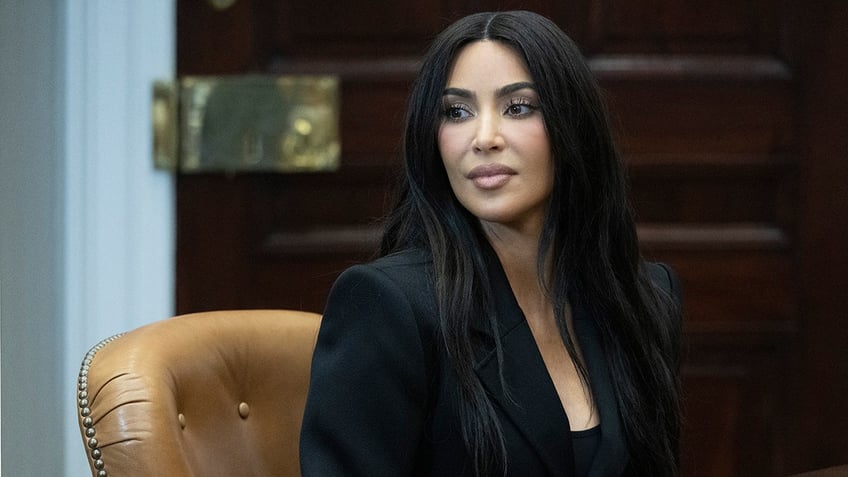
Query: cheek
[[534, 135], [448, 147], [537, 139]]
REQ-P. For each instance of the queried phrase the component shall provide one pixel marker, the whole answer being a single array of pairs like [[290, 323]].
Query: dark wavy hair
[[588, 233]]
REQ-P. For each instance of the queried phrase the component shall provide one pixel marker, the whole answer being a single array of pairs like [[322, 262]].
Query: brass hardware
[[165, 125], [221, 4], [247, 124]]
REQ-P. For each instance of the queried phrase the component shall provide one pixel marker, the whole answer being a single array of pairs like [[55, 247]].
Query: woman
[[510, 326]]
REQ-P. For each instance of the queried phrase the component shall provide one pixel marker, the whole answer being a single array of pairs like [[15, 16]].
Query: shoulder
[[665, 278], [385, 307], [670, 301], [401, 279], [406, 262], [405, 269]]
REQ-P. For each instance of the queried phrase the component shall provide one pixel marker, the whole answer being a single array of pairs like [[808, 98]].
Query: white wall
[[86, 224]]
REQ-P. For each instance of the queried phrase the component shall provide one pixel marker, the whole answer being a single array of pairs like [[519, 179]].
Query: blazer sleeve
[[366, 405]]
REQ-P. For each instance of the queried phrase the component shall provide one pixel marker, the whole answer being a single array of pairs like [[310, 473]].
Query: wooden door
[[719, 126]]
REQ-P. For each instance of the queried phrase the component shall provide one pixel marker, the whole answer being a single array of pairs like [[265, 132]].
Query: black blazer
[[382, 401]]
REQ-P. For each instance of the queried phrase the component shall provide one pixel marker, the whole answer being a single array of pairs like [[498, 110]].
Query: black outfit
[[382, 401]]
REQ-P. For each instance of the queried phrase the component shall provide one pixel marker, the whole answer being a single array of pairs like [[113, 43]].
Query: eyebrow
[[503, 91]]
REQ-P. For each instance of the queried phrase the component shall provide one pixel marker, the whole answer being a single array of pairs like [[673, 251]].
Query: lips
[[490, 176]]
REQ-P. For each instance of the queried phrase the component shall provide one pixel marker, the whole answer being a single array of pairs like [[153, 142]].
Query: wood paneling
[[332, 28], [690, 26], [706, 106], [822, 362]]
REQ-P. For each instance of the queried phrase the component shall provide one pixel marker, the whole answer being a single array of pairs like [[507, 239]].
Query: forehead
[[487, 63]]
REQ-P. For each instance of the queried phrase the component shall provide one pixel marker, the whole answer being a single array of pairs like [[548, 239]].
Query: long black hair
[[588, 235]]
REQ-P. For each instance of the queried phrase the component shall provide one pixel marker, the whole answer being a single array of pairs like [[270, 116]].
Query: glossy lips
[[490, 176]]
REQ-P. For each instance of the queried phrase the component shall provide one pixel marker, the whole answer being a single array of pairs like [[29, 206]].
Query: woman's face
[[492, 138]]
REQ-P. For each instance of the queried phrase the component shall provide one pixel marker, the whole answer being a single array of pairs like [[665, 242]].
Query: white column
[[118, 211]]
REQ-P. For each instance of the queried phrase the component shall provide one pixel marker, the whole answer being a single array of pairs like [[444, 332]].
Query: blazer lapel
[[531, 403], [611, 457]]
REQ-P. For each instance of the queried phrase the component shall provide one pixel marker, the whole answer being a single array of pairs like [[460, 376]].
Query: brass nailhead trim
[[83, 403]]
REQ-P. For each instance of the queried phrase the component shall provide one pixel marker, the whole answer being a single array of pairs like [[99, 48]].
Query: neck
[[518, 253]]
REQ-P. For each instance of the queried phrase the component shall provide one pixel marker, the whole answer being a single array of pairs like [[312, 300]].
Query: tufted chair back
[[208, 394]]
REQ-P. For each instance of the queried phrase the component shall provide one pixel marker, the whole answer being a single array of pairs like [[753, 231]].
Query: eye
[[519, 108], [456, 112]]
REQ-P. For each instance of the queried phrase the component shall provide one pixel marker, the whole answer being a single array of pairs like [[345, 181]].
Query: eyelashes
[[456, 112], [516, 108], [521, 107]]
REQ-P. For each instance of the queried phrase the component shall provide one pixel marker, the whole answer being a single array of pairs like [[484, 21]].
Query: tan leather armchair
[[838, 471], [208, 394]]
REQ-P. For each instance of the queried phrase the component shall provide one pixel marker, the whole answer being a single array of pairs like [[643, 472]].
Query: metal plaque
[[247, 124]]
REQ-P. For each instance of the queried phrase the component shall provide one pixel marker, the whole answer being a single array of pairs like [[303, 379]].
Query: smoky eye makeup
[[454, 111], [520, 107]]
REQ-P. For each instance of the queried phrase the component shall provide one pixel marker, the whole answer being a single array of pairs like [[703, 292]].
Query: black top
[[585, 444]]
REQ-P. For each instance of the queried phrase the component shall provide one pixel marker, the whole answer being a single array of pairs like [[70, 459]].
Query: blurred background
[[730, 116]]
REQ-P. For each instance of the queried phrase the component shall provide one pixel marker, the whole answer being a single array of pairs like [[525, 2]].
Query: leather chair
[[208, 394], [838, 471]]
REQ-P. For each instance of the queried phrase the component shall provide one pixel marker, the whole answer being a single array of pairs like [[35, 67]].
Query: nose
[[488, 136]]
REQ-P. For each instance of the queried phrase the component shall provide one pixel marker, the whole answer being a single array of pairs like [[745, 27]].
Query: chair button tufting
[[244, 410], [181, 418]]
